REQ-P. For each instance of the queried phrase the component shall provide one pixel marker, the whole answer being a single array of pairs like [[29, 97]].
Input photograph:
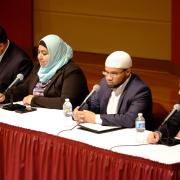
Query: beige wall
[[140, 27]]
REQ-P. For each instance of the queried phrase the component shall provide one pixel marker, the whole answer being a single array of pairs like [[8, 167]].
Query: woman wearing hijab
[[53, 79]]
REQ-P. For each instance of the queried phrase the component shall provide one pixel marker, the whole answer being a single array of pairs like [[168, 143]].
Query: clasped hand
[[83, 116]]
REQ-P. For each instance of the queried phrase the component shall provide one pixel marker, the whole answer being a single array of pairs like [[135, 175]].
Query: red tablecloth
[[32, 155]]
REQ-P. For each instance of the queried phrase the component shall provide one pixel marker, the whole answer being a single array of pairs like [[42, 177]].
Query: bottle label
[[140, 125]]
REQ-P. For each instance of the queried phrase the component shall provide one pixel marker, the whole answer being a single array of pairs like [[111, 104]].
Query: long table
[[30, 149]]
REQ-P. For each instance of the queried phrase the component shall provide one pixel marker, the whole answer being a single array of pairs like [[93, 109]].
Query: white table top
[[52, 121]]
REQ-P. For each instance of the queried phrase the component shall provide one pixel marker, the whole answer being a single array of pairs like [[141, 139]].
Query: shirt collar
[[1, 56]]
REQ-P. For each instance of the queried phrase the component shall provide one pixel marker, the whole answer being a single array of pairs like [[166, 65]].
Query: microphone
[[176, 108], [96, 88], [11, 106], [18, 78]]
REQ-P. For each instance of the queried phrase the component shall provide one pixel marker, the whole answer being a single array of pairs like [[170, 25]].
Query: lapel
[[121, 100], [6, 57], [105, 100], [124, 93]]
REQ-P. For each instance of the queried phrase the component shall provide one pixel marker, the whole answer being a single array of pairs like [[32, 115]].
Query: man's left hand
[[84, 116]]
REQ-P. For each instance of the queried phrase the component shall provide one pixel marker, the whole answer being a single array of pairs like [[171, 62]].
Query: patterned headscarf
[[59, 54]]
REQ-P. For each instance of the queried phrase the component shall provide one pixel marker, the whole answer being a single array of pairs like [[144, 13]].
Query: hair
[[3, 35], [42, 43]]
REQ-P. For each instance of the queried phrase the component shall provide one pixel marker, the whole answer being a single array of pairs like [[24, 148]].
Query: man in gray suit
[[122, 95], [13, 60]]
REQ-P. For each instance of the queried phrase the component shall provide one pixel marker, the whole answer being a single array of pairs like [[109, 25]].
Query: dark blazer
[[135, 98], [170, 129], [68, 82], [14, 61]]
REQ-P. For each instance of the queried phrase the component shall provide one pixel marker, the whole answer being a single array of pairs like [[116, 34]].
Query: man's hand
[[84, 116], [178, 134], [153, 137]]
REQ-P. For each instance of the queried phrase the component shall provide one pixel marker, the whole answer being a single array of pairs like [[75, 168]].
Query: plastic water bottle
[[67, 108], [140, 128]]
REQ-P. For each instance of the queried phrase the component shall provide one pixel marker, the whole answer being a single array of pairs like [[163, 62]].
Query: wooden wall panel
[[141, 28], [175, 32]]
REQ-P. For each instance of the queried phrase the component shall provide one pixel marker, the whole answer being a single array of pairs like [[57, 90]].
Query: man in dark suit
[[121, 97], [13, 61], [167, 131]]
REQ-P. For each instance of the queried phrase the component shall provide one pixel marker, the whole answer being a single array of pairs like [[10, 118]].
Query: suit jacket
[[135, 98], [14, 61], [68, 82], [169, 129]]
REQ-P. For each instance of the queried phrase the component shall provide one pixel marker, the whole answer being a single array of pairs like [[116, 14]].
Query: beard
[[113, 86]]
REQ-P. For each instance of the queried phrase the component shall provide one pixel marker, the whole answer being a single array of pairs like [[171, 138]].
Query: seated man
[[13, 61], [121, 97], [168, 130]]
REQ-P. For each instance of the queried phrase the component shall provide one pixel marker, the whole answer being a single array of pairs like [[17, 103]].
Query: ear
[[128, 71]]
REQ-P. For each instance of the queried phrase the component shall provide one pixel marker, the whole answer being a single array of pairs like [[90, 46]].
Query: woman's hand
[[27, 100], [2, 97]]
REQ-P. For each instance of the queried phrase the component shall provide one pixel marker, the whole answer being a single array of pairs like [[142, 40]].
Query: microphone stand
[[11, 106], [11, 99]]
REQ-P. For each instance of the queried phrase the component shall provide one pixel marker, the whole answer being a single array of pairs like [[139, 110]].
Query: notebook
[[97, 128]]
